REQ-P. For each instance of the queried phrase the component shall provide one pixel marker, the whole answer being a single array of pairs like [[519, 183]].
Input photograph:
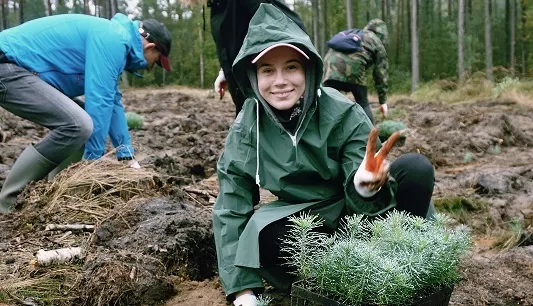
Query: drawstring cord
[[257, 180]]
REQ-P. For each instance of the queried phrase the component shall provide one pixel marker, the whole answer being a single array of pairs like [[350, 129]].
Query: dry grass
[[522, 98], [89, 191], [49, 286]]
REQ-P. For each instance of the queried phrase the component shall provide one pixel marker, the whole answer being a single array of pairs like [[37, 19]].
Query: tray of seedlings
[[397, 259]]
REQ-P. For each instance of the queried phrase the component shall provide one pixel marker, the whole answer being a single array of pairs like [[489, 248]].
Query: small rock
[[491, 184]]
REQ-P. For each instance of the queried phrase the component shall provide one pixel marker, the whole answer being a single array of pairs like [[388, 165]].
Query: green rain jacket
[[311, 170]]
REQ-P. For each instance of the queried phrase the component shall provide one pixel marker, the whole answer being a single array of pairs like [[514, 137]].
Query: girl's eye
[[293, 67], [266, 70]]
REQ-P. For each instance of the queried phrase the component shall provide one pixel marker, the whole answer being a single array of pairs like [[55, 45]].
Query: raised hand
[[374, 170]]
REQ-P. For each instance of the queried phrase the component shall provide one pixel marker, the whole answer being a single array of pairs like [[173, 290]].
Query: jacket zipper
[[293, 138]]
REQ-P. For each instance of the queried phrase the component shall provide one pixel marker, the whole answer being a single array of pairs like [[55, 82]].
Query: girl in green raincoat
[[307, 145]]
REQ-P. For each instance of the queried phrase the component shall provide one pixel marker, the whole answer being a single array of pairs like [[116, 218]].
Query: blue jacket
[[83, 55]]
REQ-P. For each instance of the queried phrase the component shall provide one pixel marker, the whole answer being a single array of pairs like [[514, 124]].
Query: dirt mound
[[141, 238]]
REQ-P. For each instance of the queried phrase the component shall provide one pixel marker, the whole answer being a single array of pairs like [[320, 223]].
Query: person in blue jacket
[[47, 62]]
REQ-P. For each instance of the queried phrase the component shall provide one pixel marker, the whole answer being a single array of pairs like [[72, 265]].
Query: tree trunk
[[323, 27], [86, 9], [201, 38], [49, 10], [315, 22], [21, 11], [383, 11], [507, 36], [415, 68], [113, 8], [408, 23], [488, 42], [399, 16], [4, 7], [512, 27], [349, 17], [450, 9], [523, 41], [460, 40]]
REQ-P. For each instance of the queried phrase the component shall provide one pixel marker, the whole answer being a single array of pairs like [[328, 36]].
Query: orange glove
[[374, 169]]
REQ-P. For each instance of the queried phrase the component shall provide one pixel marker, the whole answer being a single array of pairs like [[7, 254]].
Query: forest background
[[430, 40]]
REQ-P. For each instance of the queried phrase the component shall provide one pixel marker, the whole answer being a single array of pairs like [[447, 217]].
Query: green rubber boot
[[30, 166], [73, 158]]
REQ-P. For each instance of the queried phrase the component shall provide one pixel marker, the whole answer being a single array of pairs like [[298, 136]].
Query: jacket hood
[[270, 26], [135, 59], [379, 27]]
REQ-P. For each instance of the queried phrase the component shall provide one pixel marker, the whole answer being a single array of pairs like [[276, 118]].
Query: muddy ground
[[482, 152]]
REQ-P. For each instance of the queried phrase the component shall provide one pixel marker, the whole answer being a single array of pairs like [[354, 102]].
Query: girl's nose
[[280, 79]]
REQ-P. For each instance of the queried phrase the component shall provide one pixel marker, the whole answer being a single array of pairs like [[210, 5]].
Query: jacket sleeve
[[352, 153], [233, 208], [381, 72], [105, 60], [118, 131], [253, 5]]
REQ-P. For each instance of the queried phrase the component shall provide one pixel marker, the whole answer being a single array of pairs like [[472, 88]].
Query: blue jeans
[[27, 96]]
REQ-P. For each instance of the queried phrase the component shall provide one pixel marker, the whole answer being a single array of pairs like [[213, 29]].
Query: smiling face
[[281, 77]]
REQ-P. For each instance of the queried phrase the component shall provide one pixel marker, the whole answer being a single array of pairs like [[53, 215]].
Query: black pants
[[416, 178], [359, 92], [236, 94]]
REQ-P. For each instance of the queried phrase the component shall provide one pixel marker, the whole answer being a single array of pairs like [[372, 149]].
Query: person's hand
[[134, 164], [220, 83], [247, 299], [384, 109], [374, 170]]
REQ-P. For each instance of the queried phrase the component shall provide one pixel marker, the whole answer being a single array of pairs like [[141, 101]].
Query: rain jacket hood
[[83, 55], [379, 27], [268, 27]]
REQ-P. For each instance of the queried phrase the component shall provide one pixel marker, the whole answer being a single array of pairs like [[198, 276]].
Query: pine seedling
[[302, 241], [134, 120]]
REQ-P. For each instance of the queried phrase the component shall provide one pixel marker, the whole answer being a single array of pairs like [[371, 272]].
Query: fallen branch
[[200, 192], [70, 227], [58, 256]]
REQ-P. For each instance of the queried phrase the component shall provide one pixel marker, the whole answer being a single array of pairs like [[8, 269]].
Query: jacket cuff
[[125, 152]]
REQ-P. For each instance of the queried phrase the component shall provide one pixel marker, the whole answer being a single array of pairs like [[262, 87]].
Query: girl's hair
[[189, 3]]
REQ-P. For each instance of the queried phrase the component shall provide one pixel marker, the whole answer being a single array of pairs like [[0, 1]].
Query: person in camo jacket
[[347, 71]]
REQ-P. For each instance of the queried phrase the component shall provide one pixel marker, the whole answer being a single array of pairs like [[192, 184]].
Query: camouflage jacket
[[351, 68]]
